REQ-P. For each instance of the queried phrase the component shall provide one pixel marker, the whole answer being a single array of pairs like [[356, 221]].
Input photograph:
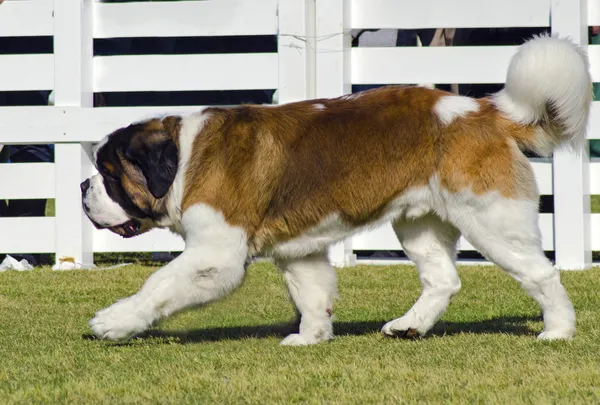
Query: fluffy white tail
[[548, 85]]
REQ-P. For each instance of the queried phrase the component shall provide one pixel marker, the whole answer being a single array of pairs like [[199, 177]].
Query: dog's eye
[[106, 174]]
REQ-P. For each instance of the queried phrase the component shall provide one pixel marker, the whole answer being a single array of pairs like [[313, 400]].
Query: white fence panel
[[158, 240], [384, 238], [73, 124], [595, 176], [430, 65], [593, 14], [27, 180], [593, 52], [26, 72], [186, 72], [409, 14], [595, 230], [27, 235], [314, 58], [27, 18], [594, 125], [542, 168], [572, 233], [186, 18]]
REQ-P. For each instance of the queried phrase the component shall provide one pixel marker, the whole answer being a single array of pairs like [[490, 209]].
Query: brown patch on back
[[479, 153], [278, 171]]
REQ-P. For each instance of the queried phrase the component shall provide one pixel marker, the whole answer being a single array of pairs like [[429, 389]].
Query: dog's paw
[[120, 321], [296, 339], [404, 327], [556, 335]]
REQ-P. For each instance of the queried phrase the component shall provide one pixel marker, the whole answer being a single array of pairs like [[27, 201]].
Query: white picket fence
[[313, 59]]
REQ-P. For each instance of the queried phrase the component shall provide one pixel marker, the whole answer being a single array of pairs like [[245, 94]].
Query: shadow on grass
[[512, 325]]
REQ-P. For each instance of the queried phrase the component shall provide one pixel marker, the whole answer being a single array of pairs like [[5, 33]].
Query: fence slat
[[409, 14], [27, 18], [593, 52], [333, 76], [384, 238], [27, 235], [186, 72], [595, 176], [73, 48], [595, 230], [477, 64], [594, 125], [26, 72], [26, 181], [593, 12], [296, 57], [542, 168], [73, 124], [186, 18], [158, 240], [571, 171]]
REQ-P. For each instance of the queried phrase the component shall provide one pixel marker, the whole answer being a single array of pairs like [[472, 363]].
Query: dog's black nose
[[85, 186]]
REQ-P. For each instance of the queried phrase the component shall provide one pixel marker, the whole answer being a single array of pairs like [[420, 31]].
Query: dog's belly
[[411, 205]]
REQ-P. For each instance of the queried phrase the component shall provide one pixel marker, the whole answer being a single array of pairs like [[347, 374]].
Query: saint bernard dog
[[288, 181]]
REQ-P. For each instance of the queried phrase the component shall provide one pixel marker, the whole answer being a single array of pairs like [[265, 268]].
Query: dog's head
[[136, 169]]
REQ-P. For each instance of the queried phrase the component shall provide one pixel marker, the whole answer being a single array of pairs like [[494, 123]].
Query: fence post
[[333, 43], [570, 170], [296, 50], [73, 53]]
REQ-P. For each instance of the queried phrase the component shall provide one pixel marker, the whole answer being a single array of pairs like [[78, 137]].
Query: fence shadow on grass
[[511, 325]]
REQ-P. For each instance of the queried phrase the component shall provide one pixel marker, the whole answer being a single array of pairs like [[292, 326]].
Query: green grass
[[595, 203], [483, 351]]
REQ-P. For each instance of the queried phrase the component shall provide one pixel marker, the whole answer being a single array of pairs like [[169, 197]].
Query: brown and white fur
[[288, 181]]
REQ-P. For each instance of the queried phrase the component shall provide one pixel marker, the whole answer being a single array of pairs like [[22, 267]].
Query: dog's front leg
[[211, 266]]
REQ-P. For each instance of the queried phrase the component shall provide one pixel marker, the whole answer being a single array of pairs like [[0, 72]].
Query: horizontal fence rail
[[180, 19], [186, 72], [27, 72], [313, 59], [423, 65], [409, 14], [25, 18]]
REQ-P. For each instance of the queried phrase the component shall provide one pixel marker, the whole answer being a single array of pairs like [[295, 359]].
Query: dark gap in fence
[[185, 45], [24, 98], [181, 98], [399, 254], [546, 204], [499, 36], [476, 90], [26, 45]]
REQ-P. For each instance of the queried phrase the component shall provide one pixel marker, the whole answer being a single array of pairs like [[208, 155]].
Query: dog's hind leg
[[312, 284], [431, 244], [506, 232]]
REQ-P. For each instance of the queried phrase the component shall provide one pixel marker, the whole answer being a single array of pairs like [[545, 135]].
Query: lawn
[[483, 351]]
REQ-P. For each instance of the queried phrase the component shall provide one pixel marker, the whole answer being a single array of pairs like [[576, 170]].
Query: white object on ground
[[10, 263], [69, 263]]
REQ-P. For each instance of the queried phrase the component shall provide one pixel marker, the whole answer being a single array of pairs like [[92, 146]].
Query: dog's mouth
[[127, 229]]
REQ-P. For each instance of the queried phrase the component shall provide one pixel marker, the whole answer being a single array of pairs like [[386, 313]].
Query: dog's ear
[[157, 156]]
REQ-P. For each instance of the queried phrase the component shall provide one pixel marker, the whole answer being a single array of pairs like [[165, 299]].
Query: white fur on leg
[[311, 282], [431, 244], [122, 320], [506, 231], [211, 266]]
